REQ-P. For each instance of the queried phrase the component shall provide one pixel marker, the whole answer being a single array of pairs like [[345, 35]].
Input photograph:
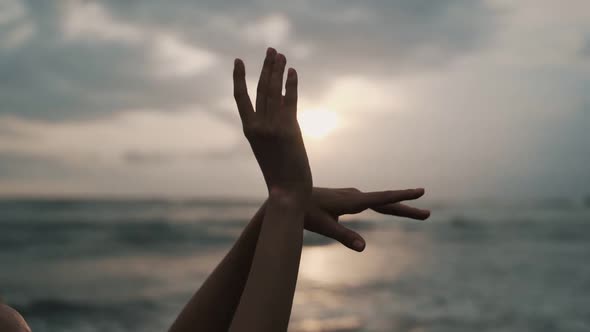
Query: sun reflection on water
[[337, 265], [342, 290]]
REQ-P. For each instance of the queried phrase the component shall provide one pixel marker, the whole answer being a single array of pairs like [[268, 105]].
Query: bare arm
[[275, 138], [276, 141], [213, 306], [268, 296]]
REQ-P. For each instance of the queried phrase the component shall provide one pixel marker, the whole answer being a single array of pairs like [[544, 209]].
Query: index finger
[[402, 210], [262, 89], [241, 91], [376, 198], [275, 86]]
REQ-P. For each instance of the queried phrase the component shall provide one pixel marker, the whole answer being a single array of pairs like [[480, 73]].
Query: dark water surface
[[99, 265]]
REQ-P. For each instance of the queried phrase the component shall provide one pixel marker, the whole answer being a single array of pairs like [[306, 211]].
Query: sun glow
[[317, 123]]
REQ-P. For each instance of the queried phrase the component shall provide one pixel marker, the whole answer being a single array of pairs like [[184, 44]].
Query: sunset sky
[[467, 98]]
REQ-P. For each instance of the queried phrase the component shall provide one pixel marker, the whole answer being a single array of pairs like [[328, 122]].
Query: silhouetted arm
[[268, 295], [275, 138], [213, 306]]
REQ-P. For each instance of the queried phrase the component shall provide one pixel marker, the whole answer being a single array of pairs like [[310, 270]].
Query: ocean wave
[[44, 307], [83, 238]]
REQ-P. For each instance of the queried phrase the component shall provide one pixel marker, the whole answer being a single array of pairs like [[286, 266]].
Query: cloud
[[273, 29], [180, 59], [15, 26], [99, 65], [91, 20], [20, 168], [139, 152], [395, 36], [533, 36], [585, 49], [163, 156], [477, 96], [11, 10], [378, 95], [94, 58], [105, 141]]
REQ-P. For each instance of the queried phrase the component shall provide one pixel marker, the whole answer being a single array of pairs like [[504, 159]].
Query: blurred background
[[124, 176]]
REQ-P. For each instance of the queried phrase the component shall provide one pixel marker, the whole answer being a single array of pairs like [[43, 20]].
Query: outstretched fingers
[[377, 198], [326, 225], [290, 100], [347, 237], [241, 91], [263, 82], [275, 87], [402, 210]]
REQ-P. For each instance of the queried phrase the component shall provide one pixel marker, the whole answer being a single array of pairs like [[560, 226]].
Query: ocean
[[130, 265]]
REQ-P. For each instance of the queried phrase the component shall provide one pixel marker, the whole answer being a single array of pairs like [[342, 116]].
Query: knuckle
[[259, 131], [271, 133]]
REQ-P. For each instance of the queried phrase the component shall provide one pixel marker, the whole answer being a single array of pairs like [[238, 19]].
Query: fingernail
[[291, 72], [236, 60], [269, 50], [358, 245]]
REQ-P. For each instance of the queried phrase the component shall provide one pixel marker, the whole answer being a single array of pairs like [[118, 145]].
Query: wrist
[[289, 197]]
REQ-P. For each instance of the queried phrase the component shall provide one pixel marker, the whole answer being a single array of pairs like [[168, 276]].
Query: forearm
[[267, 298], [213, 306]]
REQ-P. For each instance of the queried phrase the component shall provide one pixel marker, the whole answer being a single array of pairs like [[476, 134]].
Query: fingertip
[[418, 192], [238, 65], [270, 51], [358, 245], [291, 73], [239, 70], [425, 214]]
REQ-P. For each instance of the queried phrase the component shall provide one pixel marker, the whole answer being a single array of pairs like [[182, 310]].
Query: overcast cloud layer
[[467, 98]]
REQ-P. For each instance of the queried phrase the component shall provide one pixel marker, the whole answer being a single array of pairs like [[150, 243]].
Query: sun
[[317, 123]]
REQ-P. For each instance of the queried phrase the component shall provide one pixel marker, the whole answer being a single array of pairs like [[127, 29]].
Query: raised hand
[[275, 138], [272, 129], [327, 205]]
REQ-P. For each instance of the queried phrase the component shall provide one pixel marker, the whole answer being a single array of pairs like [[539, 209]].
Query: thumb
[[320, 222], [346, 236]]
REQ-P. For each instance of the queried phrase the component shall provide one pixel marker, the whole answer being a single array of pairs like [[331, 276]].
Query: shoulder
[[11, 320]]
